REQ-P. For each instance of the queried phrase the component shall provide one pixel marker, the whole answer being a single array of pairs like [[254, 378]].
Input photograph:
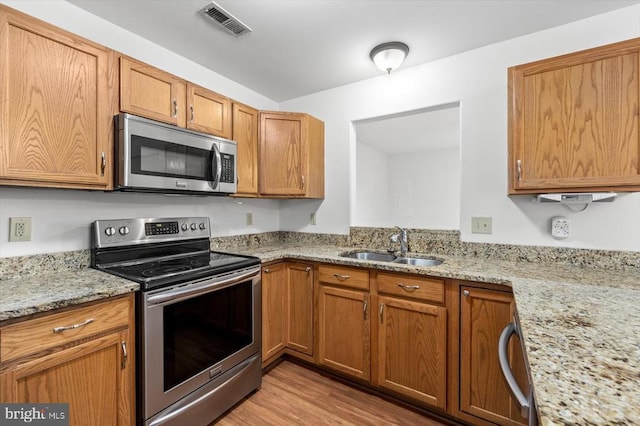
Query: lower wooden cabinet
[[483, 391], [287, 310], [300, 307], [344, 330], [90, 367], [274, 308], [428, 340], [412, 349]]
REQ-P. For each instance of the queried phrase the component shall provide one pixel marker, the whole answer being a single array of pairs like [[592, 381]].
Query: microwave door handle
[[217, 164]]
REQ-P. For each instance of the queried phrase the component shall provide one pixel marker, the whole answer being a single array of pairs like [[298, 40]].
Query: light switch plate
[[481, 225]]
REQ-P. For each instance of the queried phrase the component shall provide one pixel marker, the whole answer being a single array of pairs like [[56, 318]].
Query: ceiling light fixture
[[389, 56]]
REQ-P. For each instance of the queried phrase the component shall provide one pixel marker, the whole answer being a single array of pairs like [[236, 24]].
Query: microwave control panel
[[228, 172]]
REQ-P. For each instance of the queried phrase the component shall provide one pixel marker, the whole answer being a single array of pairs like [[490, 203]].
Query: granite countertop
[[580, 326], [31, 294]]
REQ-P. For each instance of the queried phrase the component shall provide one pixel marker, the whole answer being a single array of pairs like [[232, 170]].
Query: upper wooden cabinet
[[245, 133], [56, 106], [208, 112], [291, 149], [149, 92], [152, 93], [573, 122]]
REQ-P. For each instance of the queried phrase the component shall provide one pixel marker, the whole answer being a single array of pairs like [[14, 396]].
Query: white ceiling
[[299, 47]]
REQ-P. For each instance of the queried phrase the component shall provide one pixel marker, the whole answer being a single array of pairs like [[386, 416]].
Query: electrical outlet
[[560, 227], [481, 225], [19, 229], [249, 218], [312, 219]]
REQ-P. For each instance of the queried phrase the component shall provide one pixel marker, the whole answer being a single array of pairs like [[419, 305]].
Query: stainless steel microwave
[[159, 157]]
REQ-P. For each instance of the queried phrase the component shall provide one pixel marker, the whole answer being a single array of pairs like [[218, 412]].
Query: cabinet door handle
[[519, 167], [103, 164], [302, 181], [124, 354], [266, 271], [408, 288], [307, 269], [364, 309], [71, 327], [381, 313], [192, 113], [341, 277], [465, 293], [175, 108]]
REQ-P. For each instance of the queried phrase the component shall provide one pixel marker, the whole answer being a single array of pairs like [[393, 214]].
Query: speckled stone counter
[[29, 294], [581, 327]]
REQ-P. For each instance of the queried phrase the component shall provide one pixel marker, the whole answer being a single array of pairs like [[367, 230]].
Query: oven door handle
[[187, 293], [218, 165]]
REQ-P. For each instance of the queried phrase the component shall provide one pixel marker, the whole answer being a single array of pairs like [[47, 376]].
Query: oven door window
[[204, 330], [158, 158]]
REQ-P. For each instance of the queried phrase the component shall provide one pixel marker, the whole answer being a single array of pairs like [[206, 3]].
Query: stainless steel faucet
[[402, 239]]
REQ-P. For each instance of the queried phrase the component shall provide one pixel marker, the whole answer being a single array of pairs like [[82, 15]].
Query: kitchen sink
[[418, 261], [388, 257], [368, 255]]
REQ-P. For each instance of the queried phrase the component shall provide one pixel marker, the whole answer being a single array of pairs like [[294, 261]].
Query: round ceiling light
[[389, 56]]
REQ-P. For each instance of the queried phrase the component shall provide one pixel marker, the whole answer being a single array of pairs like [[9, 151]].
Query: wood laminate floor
[[294, 395]]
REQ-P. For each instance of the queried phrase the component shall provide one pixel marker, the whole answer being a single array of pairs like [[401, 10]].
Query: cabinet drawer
[[347, 277], [36, 335], [423, 288]]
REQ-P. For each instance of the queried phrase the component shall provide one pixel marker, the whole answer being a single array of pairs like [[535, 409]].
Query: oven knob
[[202, 226], [185, 226], [124, 230], [194, 226], [110, 230]]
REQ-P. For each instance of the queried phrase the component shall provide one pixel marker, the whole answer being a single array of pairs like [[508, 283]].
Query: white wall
[[478, 80], [61, 218], [372, 187], [425, 189]]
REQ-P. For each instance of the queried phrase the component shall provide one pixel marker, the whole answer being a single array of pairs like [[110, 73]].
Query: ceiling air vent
[[221, 17]]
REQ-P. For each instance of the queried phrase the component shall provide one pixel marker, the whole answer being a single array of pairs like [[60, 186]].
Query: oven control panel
[[120, 232]]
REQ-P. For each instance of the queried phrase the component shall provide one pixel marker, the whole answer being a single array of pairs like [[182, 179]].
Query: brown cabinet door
[[245, 133], [208, 112], [412, 345], [483, 390], [55, 110], [149, 92], [300, 308], [574, 121], [95, 378], [274, 310], [283, 154], [344, 321]]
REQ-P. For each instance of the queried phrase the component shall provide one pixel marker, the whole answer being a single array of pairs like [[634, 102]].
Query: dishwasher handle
[[503, 357]]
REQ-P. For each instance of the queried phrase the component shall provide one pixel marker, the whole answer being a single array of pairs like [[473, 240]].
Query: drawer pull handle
[[124, 354], [307, 269], [341, 277], [408, 288], [71, 327], [266, 271]]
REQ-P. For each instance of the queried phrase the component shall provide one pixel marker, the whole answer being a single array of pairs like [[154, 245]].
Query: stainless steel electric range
[[198, 316]]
